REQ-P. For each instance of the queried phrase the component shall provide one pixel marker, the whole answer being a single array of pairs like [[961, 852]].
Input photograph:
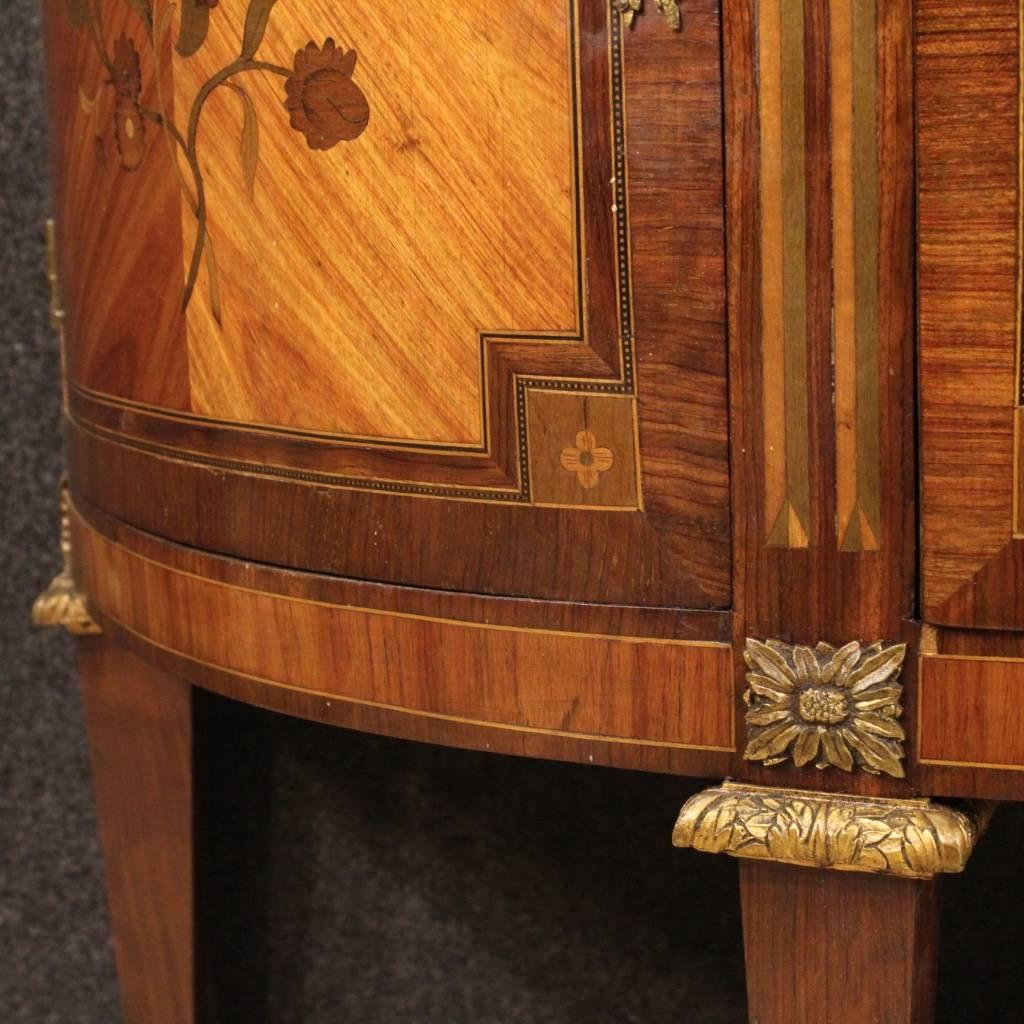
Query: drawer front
[[446, 290], [969, 259]]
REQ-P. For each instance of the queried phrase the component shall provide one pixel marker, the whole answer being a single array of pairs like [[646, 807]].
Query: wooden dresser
[[631, 382]]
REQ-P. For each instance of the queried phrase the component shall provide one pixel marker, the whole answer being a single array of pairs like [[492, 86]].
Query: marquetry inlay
[[789, 180], [583, 450], [384, 248], [370, 214], [856, 196], [784, 271]]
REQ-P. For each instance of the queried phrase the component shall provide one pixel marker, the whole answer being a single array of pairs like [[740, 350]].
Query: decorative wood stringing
[[784, 272], [970, 712], [787, 261], [559, 683], [856, 194], [817, 113], [196, 64], [675, 552]]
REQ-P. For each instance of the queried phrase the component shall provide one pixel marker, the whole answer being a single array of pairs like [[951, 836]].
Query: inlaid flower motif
[[126, 69], [323, 101], [129, 132], [833, 707], [587, 460]]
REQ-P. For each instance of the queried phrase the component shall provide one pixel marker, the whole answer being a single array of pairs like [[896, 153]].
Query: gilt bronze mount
[[904, 838], [62, 603], [833, 707]]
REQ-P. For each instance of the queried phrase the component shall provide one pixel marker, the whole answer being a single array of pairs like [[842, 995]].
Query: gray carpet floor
[[354, 878]]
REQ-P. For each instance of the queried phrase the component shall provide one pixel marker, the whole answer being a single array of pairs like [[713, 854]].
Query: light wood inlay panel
[[583, 450], [369, 270], [856, 230], [650, 203], [673, 693], [784, 271]]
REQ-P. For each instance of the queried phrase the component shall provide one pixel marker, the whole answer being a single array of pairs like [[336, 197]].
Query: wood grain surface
[[826, 947], [601, 687], [374, 268], [972, 712], [969, 132], [651, 329], [826, 588], [140, 740]]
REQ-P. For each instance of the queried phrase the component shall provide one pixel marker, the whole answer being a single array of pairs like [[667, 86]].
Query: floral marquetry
[[827, 706], [587, 459], [323, 102], [582, 449]]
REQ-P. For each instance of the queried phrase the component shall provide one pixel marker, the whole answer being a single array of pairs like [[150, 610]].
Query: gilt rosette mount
[[827, 706]]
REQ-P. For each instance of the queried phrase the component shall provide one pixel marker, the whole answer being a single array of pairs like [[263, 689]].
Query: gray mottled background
[[352, 878]]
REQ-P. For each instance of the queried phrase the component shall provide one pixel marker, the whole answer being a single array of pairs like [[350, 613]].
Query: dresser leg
[[140, 736], [831, 947]]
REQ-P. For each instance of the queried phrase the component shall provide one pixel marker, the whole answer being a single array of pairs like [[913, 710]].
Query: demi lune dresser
[[631, 382]]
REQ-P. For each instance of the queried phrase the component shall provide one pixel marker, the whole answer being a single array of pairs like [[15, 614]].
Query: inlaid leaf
[[214, 276], [195, 23], [256, 19], [250, 142]]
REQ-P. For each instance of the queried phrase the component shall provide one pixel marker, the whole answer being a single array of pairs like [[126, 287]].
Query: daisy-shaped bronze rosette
[[837, 707]]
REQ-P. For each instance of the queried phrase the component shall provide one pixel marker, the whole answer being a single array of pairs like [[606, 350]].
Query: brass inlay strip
[[783, 196], [856, 242]]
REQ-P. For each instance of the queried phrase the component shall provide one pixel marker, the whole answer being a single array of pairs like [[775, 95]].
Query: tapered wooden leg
[[140, 736], [834, 947]]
